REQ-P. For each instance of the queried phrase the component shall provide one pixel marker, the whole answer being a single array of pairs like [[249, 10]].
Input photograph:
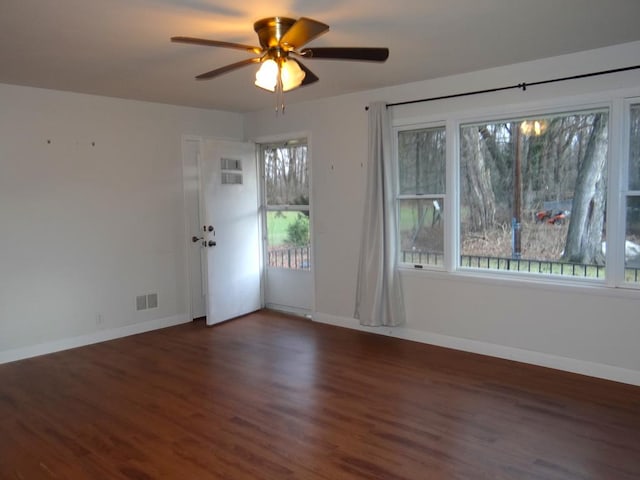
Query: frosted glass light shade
[[290, 73], [267, 75]]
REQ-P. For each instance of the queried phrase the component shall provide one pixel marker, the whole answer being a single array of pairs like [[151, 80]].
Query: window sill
[[520, 281]]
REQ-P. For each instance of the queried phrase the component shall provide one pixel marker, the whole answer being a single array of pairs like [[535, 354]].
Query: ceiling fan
[[282, 38]]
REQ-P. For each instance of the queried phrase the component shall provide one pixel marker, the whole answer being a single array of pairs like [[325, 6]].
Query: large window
[[530, 195], [421, 175], [533, 194], [286, 204]]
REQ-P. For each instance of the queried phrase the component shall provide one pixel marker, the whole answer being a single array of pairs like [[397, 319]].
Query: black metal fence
[[632, 275], [533, 266], [422, 258], [518, 265], [297, 258]]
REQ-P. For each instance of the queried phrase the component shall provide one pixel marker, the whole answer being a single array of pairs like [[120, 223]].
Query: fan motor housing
[[270, 30]]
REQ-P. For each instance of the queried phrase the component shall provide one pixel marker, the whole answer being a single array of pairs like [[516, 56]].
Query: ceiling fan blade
[[302, 32], [216, 43], [347, 53], [228, 68], [309, 76]]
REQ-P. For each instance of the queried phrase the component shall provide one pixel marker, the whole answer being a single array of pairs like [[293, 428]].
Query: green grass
[[277, 225], [409, 214]]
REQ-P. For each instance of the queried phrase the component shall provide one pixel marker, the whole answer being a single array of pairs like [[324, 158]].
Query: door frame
[[276, 139], [188, 244]]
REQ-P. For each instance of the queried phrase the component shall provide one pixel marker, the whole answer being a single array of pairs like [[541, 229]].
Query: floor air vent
[[144, 302]]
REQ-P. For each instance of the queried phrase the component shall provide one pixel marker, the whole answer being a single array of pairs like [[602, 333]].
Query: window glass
[[421, 231], [285, 174], [422, 179], [533, 194], [286, 191], [421, 161]]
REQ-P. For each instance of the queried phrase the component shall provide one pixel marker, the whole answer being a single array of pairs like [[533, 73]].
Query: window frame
[[398, 197], [517, 117], [616, 102], [625, 192], [265, 207]]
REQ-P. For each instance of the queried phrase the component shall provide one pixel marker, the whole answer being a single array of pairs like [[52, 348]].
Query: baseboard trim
[[299, 312], [88, 339], [591, 369]]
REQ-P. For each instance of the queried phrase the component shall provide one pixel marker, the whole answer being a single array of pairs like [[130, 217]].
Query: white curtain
[[379, 300]]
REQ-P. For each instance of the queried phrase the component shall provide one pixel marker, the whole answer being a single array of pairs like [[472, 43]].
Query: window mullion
[[615, 196], [451, 201], [420, 196], [287, 208]]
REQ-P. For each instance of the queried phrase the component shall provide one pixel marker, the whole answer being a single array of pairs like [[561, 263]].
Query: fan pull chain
[[279, 93]]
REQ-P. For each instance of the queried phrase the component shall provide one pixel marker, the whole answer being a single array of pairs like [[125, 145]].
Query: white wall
[[593, 331], [91, 215]]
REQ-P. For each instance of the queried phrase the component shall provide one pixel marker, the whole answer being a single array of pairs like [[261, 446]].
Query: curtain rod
[[522, 86]]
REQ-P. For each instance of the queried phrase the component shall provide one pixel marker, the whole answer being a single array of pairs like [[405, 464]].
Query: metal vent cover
[[231, 171], [141, 302], [152, 300], [234, 164], [231, 178]]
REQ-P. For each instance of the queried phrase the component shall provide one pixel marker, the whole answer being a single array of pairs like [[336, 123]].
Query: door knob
[[195, 239], [211, 243]]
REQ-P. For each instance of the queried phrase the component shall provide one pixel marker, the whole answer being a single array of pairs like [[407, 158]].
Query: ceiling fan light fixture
[[280, 38], [288, 71], [292, 75], [267, 75]]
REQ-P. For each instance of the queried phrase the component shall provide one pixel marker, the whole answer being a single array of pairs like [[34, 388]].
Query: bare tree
[[286, 175], [584, 236], [480, 198]]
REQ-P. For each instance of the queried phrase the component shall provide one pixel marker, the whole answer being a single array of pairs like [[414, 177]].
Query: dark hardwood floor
[[273, 397]]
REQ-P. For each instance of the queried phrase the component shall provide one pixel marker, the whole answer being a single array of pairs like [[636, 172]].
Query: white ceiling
[[121, 48]]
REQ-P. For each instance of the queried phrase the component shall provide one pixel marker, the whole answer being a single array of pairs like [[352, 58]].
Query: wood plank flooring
[[274, 397]]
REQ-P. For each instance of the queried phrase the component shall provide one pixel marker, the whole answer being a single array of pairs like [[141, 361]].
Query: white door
[[230, 216]]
